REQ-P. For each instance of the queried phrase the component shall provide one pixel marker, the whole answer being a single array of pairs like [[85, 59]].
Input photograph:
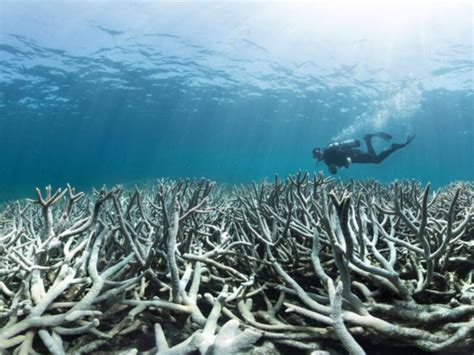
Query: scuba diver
[[343, 154]]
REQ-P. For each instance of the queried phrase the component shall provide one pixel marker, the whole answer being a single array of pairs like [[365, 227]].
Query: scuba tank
[[351, 143]]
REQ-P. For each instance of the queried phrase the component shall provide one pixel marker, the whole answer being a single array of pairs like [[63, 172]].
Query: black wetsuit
[[336, 154]]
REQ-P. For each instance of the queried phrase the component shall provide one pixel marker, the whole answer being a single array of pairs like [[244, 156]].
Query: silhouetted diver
[[342, 154]]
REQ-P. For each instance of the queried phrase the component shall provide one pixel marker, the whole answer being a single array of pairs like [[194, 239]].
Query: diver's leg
[[394, 147], [360, 157], [368, 142]]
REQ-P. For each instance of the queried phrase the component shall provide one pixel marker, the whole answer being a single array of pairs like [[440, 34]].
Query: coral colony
[[305, 264]]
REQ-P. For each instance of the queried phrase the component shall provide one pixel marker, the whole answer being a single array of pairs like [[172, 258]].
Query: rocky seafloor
[[303, 265]]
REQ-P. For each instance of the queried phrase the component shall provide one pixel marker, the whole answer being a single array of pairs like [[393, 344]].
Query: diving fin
[[410, 138], [401, 145], [383, 135]]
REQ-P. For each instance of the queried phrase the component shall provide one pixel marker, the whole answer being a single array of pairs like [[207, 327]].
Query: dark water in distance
[[104, 93]]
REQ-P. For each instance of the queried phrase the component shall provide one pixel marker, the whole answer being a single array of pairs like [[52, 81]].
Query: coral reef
[[187, 267]]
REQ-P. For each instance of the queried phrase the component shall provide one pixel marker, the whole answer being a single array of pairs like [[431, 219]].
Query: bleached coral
[[83, 273]]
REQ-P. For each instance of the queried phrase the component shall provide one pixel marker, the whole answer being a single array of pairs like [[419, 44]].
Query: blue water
[[96, 93]]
